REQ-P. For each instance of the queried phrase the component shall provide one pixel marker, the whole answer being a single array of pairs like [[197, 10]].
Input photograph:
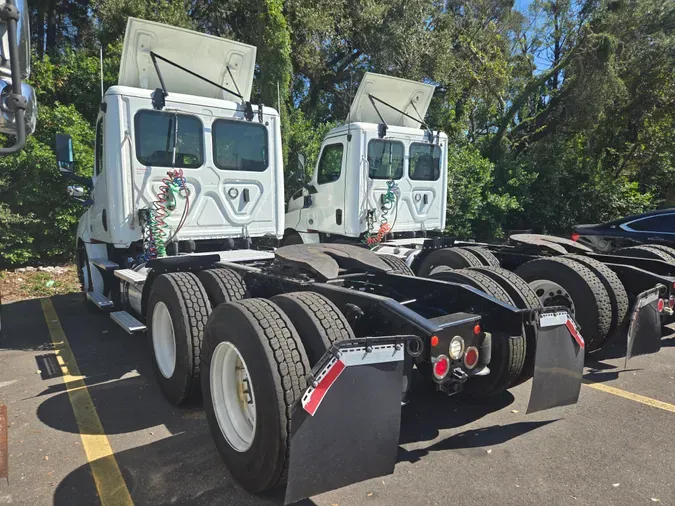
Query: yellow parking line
[[112, 490], [631, 396]]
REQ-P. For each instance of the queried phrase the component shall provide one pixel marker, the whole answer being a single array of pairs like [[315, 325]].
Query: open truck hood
[[399, 93], [205, 55]]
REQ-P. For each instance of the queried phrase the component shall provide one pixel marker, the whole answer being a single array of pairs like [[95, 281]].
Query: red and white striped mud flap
[[558, 363], [345, 428], [644, 331]]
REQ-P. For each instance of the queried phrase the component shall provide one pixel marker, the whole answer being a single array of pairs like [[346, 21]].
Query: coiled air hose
[[155, 218]]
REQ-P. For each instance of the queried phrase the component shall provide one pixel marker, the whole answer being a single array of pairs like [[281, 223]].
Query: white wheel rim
[[232, 396], [163, 340], [551, 293]]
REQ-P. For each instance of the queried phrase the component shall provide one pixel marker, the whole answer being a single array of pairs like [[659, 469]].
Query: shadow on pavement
[[184, 469], [430, 412], [23, 327], [474, 438]]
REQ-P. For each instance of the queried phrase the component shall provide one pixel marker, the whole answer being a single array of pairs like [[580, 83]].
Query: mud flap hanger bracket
[[414, 347]]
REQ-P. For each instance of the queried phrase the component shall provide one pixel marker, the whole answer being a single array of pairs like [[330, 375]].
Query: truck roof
[[415, 132], [180, 98]]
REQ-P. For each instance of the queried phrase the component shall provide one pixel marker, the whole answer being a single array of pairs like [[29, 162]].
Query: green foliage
[[475, 208], [557, 115]]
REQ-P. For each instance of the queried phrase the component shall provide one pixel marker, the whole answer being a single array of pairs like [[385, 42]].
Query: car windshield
[[239, 145]]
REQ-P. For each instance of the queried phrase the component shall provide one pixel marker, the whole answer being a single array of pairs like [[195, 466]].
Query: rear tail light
[[471, 357], [671, 302], [660, 305], [476, 329], [441, 367], [575, 237]]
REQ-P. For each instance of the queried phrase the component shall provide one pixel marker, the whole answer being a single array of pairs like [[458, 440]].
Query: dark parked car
[[654, 227]]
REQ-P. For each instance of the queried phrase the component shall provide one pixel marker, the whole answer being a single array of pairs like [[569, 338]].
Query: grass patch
[[19, 285]]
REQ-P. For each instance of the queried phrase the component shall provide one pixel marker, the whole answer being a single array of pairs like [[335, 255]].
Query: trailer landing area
[[87, 424]]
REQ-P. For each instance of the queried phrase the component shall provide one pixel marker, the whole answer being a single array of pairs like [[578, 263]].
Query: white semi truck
[[185, 206]]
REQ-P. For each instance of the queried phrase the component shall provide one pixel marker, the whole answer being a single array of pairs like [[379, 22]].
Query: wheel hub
[[232, 396], [552, 294], [163, 340]]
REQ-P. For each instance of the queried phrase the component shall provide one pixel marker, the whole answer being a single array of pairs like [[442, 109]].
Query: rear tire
[[618, 297], [593, 310], [455, 258], [317, 320], [508, 352], [398, 265], [484, 255], [223, 285], [178, 309], [276, 364], [665, 249], [524, 298], [644, 251]]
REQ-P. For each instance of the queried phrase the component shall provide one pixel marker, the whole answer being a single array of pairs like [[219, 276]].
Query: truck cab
[[379, 168], [184, 163]]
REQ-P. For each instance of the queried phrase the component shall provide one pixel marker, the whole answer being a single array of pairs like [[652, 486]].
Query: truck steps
[[104, 263], [127, 322], [131, 276], [100, 300]]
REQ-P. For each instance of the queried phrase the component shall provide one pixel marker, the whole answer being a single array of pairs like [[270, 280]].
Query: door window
[[99, 146], [385, 159], [330, 164], [155, 131], [425, 162]]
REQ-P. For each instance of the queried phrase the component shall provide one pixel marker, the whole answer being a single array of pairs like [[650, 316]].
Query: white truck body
[[356, 164], [233, 166]]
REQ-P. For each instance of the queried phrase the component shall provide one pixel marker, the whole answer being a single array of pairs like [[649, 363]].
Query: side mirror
[[64, 153], [301, 167], [75, 191]]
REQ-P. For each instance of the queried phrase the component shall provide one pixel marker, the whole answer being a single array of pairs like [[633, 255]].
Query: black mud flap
[[558, 363], [644, 331], [345, 429]]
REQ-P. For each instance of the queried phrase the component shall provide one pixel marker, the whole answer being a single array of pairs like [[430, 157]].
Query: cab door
[[327, 189], [98, 213]]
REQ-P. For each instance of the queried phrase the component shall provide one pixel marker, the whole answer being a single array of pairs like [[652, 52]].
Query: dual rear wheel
[[247, 358]]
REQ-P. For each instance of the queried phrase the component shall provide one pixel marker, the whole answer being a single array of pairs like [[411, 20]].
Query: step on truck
[[303, 355], [381, 181]]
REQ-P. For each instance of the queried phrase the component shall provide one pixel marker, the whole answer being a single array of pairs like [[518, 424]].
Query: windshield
[[239, 145], [154, 132]]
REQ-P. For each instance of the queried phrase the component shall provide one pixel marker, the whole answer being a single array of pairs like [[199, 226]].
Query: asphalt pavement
[[616, 446]]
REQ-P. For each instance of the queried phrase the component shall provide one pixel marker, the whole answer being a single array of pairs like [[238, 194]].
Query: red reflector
[[471, 357], [575, 237], [441, 367], [575, 333], [660, 305], [476, 329], [434, 340]]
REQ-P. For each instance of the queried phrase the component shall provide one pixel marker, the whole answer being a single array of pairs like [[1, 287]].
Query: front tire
[[270, 349]]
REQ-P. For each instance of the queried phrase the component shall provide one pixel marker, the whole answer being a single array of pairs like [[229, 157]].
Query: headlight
[[456, 348]]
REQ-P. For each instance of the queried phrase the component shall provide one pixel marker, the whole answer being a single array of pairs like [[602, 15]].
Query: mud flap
[[345, 428], [644, 331], [558, 363]]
